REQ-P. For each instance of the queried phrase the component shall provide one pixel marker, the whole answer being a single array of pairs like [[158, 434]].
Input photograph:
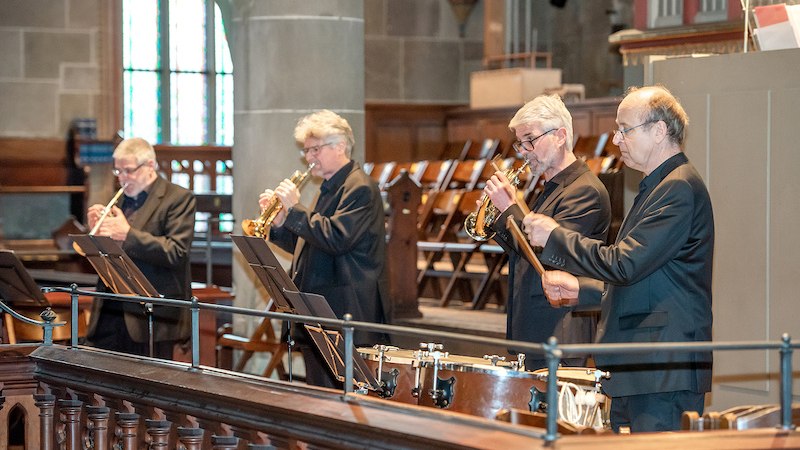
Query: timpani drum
[[475, 386], [398, 371]]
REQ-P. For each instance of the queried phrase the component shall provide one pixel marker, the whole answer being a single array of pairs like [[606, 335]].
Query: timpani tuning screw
[[494, 358], [430, 346]]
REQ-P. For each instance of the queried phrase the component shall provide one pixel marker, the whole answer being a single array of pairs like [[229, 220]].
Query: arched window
[[177, 72]]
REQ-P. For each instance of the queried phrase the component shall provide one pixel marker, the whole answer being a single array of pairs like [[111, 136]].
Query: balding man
[[657, 274]]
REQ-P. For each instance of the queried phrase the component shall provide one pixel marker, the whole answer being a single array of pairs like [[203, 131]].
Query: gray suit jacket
[[159, 243], [658, 276]]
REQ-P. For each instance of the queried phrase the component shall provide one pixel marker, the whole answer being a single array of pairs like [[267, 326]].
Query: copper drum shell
[[404, 361], [479, 388]]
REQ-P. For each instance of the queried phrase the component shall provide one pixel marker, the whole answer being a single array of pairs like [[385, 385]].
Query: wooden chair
[[455, 150], [381, 172], [466, 174], [262, 339], [432, 174], [486, 150], [434, 228], [16, 331]]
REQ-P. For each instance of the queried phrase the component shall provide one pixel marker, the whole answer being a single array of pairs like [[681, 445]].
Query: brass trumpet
[[260, 227], [106, 211], [477, 224]]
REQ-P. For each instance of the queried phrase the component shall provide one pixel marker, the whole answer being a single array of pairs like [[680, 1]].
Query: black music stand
[[118, 272], [268, 270], [17, 287], [330, 343], [288, 299]]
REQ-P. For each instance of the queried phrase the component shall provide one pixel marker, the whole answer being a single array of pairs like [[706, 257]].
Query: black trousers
[[112, 334], [660, 411]]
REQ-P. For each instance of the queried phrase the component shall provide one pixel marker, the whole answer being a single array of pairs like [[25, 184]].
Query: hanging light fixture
[[462, 10]]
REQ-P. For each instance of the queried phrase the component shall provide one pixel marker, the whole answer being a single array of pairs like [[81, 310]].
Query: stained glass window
[[177, 72]]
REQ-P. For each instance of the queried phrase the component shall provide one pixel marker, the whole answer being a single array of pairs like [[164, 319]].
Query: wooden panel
[[394, 143], [414, 132], [33, 162], [581, 124], [423, 136], [18, 150], [429, 142]]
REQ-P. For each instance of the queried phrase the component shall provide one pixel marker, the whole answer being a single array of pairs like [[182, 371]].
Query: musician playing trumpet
[[573, 195], [154, 225], [339, 241]]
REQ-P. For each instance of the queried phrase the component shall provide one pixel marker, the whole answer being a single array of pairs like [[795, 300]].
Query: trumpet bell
[[475, 229], [252, 227]]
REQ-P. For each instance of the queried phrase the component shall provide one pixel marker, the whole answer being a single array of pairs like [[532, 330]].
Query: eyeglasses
[[315, 149], [627, 130], [529, 144], [118, 172]]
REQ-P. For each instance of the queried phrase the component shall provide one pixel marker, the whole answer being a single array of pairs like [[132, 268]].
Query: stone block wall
[[50, 72], [413, 52]]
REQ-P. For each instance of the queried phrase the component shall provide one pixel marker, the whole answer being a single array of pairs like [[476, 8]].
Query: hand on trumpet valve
[[538, 228], [286, 193], [500, 191], [560, 288], [115, 225]]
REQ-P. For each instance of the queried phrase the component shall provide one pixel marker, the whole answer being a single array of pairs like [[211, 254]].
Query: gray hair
[[547, 110]]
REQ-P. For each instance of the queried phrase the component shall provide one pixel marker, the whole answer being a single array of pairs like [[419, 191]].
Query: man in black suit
[[657, 274], [574, 196], [155, 226], [339, 243]]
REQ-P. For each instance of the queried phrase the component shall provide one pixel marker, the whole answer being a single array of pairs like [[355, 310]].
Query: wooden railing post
[[191, 438], [46, 404], [224, 442], [126, 432], [70, 417], [97, 426], [158, 433], [404, 199]]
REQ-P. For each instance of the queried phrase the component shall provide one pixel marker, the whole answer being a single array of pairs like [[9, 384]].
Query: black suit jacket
[[659, 281], [578, 201], [159, 243], [340, 247]]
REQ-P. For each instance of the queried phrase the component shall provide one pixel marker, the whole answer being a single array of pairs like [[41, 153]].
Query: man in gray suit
[[657, 274], [574, 196], [155, 226]]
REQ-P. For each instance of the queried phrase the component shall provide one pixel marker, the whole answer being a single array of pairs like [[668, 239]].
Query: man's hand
[[500, 191], [560, 288], [115, 225], [265, 199], [93, 214], [538, 228]]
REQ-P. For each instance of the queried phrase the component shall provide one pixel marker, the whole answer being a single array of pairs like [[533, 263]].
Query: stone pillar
[[290, 59]]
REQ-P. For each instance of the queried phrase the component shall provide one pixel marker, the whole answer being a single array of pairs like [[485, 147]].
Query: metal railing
[[552, 350]]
